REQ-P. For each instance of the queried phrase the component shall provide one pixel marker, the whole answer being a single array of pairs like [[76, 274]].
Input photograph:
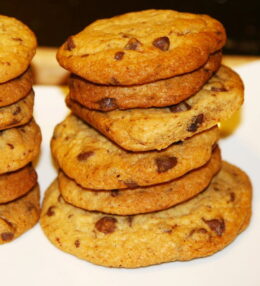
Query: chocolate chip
[[107, 103], [133, 44], [58, 240], [218, 89], [114, 81], [70, 45], [83, 156], [106, 224], [17, 110], [165, 163], [195, 122], [84, 55], [178, 143], [130, 219], [114, 193], [232, 197], [77, 243], [162, 43], [183, 106], [50, 211], [131, 184], [6, 221], [7, 236], [119, 55], [10, 145], [30, 206], [217, 225], [17, 39]]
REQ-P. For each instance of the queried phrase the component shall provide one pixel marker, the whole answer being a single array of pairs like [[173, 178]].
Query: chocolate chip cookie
[[196, 228], [16, 89], [97, 163], [141, 200], [157, 128], [18, 46], [142, 47], [19, 146], [15, 184], [19, 216], [18, 113], [156, 94]]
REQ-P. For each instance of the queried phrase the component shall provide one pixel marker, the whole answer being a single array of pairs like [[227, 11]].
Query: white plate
[[33, 260]]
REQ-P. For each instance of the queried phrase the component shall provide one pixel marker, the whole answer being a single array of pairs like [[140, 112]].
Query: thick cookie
[[141, 200], [19, 216], [157, 128], [142, 47], [15, 184], [196, 228], [19, 146], [96, 163], [18, 113], [18, 45], [16, 89], [156, 94]]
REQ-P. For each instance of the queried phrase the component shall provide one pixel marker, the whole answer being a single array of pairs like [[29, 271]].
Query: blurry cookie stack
[[20, 136], [147, 185]]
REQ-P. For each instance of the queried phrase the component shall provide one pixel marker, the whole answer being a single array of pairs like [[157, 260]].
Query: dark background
[[54, 21]]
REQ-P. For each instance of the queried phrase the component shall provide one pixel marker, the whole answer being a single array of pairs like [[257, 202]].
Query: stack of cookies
[[20, 136], [141, 179]]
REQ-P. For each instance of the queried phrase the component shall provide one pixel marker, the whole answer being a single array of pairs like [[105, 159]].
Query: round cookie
[[19, 216], [197, 228], [95, 162], [18, 113], [141, 200], [16, 89], [157, 128], [15, 184], [156, 94], [142, 47], [19, 146], [18, 46]]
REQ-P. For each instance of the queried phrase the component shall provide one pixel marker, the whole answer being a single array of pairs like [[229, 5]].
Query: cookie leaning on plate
[[18, 46], [15, 184], [19, 146], [16, 89], [18, 113], [141, 200], [196, 228], [20, 215], [142, 47], [156, 94], [157, 128], [96, 163]]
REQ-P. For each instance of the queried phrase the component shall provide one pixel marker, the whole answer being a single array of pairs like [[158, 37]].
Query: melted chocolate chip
[[50, 211], [106, 224], [131, 184], [17, 39], [217, 225], [196, 121], [107, 103], [70, 45], [83, 156], [232, 197], [10, 145], [114, 81], [218, 89], [183, 106], [77, 243], [162, 43], [165, 163], [7, 236], [133, 44], [119, 55], [130, 219], [17, 110], [114, 193]]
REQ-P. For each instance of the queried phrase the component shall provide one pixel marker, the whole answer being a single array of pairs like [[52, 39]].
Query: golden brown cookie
[[16, 89], [18, 45], [96, 163], [141, 200], [157, 128], [15, 184], [142, 47], [18, 113], [156, 94], [197, 228], [19, 216], [19, 146]]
